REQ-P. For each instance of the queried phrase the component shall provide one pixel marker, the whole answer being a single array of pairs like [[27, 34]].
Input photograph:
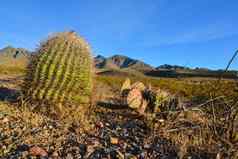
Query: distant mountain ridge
[[121, 62], [10, 56], [171, 67], [14, 52]]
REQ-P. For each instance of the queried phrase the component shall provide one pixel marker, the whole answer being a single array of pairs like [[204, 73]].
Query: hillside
[[121, 62], [175, 71], [15, 57], [13, 60]]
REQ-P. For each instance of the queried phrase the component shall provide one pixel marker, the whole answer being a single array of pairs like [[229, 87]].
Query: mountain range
[[121, 62], [18, 57]]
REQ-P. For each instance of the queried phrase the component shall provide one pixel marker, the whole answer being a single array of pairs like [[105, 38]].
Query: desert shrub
[[211, 128]]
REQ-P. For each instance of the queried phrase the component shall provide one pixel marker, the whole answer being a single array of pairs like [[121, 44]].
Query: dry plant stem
[[182, 129], [228, 66], [231, 60], [194, 108]]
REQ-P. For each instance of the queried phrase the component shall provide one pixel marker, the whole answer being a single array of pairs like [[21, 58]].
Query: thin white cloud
[[191, 36], [213, 31]]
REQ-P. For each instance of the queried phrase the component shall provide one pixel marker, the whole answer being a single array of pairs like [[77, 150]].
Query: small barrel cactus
[[61, 72]]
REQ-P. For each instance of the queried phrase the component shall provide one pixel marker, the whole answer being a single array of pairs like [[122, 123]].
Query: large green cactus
[[61, 72]]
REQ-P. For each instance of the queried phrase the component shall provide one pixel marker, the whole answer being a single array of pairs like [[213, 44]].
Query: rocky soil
[[115, 134]]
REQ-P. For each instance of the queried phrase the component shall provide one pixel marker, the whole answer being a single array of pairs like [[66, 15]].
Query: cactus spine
[[61, 72]]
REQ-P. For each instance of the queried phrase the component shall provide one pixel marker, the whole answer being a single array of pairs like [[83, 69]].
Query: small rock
[[24, 154], [114, 140], [130, 156], [5, 120], [69, 156], [98, 153], [23, 147], [161, 120], [146, 146], [83, 149], [55, 155], [37, 151], [99, 125]]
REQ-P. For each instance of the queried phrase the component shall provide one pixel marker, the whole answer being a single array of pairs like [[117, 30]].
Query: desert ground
[[201, 124]]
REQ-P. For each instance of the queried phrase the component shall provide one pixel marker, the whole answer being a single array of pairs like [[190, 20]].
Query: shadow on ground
[[7, 94], [110, 105]]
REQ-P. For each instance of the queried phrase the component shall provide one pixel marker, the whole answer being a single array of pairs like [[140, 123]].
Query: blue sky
[[201, 33]]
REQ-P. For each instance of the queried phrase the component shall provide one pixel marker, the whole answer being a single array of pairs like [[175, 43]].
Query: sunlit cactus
[[157, 99], [126, 86], [138, 85], [134, 98], [133, 95], [161, 96], [61, 72]]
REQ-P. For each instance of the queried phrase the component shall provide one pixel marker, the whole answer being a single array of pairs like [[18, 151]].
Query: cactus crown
[[61, 71]]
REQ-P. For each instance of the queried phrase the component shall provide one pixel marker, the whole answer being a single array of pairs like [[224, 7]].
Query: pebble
[[114, 137], [55, 155], [38, 151], [114, 140], [99, 125], [5, 120]]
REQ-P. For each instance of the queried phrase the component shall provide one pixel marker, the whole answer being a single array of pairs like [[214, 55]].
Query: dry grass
[[205, 123], [206, 126], [22, 113], [21, 125], [9, 70]]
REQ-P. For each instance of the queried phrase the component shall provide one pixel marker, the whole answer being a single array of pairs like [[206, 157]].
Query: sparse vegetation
[[201, 123], [11, 70]]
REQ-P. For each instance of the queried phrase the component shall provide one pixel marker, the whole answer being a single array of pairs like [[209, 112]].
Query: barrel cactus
[[61, 72]]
